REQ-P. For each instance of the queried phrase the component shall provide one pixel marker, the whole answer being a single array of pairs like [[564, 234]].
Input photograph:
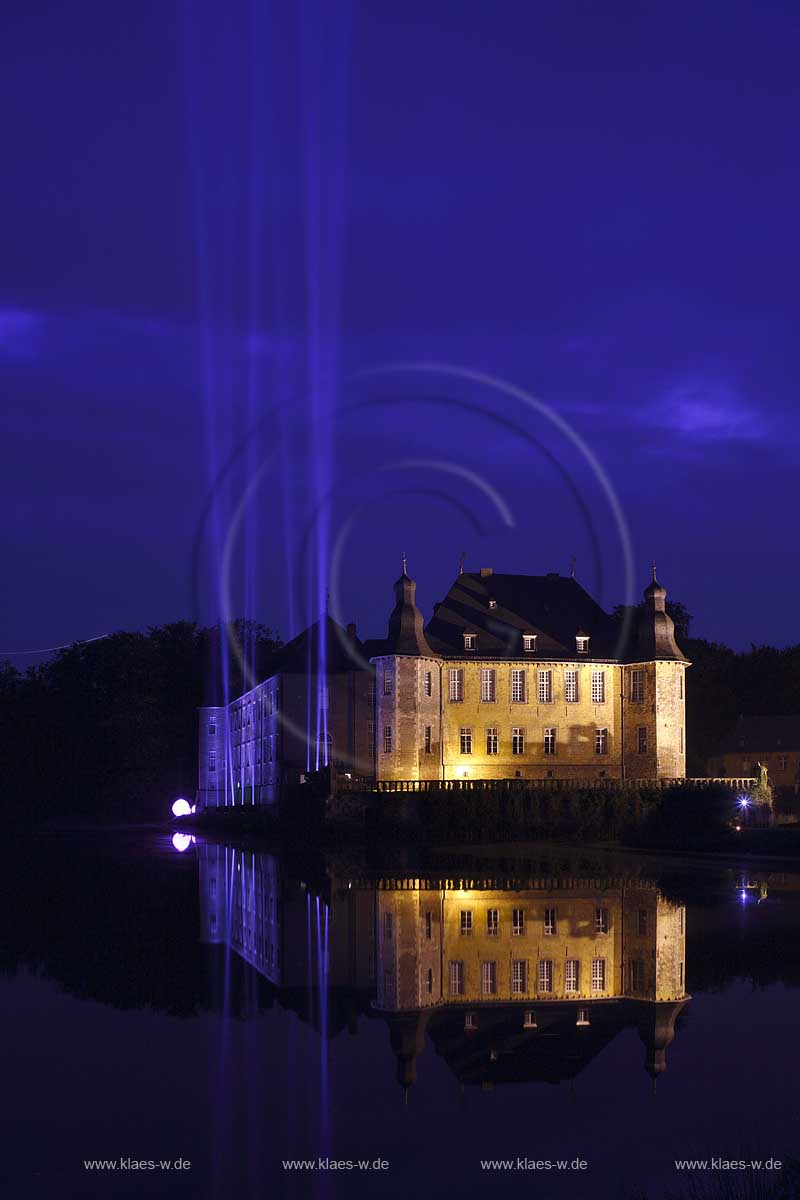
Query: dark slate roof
[[554, 607], [758, 734], [342, 653]]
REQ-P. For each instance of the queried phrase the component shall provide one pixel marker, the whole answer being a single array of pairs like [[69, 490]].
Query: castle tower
[[407, 690], [654, 694]]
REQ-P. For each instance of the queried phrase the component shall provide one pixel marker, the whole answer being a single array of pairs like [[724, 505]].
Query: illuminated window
[[457, 684], [428, 925], [636, 972], [549, 922], [598, 687], [783, 762], [529, 1019], [601, 741], [598, 974], [428, 747], [637, 687], [491, 741], [428, 684], [549, 741], [642, 735], [572, 975], [466, 922], [544, 686], [582, 644], [642, 926], [529, 642], [517, 740], [583, 1016], [387, 680], [492, 922], [545, 974], [488, 685], [387, 739], [489, 978], [492, 604], [456, 979], [518, 686], [387, 925], [601, 920], [518, 922], [470, 641], [571, 686], [466, 740], [519, 976], [371, 737], [371, 692], [212, 760], [470, 1022]]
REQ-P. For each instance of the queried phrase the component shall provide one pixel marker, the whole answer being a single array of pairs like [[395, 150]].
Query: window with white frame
[[466, 740], [549, 922], [636, 969], [529, 642], [601, 920], [637, 687], [387, 680], [428, 736], [456, 979], [489, 978], [470, 641], [518, 921], [491, 741], [545, 974], [601, 741], [387, 739], [642, 739], [492, 922], [456, 684], [529, 1019], [518, 686], [572, 975], [550, 741], [488, 685], [598, 687], [582, 643], [427, 683], [470, 1022], [466, 922], [371, 737], [544, 686], [212, 760], [517, 740], [583, 1016], [371, 692], [598, 974], [519, 976], [571, 686]]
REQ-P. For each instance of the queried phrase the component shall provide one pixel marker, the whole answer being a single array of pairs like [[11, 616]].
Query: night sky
[[221, 218]]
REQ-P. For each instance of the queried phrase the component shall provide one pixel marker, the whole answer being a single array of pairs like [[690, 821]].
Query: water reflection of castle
[[513, 979]]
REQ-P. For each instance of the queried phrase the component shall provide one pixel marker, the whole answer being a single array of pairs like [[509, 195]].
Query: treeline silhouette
[[107, 730]]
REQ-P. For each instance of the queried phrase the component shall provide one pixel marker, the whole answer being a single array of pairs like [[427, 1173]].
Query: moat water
[[236, 1009]]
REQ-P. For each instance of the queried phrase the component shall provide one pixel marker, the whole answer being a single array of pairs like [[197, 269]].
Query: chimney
[[351, 631], [485, 571]]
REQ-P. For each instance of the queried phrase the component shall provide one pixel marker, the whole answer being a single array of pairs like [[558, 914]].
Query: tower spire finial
[[572, 567], [654, 571], [405, 563], [461, 558]]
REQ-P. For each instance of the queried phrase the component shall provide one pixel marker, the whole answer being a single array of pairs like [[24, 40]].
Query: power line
[[51, 649]]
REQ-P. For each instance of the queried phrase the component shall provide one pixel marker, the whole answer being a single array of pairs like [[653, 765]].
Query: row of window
[[518, 736], [251, 711], [519, 692], [529, 641], [518, 923], [519, 976]]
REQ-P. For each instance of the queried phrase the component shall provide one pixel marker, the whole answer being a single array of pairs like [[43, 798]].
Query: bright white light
[[744, 801], [181, 807], [743, 894], [181, 841], [194, 808]]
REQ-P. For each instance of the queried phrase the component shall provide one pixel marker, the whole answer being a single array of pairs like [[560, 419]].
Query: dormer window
[[529, 642], [492, 604], [470, 641], [582, 643]]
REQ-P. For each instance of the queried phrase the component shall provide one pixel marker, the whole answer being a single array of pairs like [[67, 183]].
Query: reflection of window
[[601, 920], [491, 741], [212, 760], [601, 741], [549, 921], [387, 739], [583, 1016], [549, 741], [518, 922], [456, 684], [466, 921], [489, 978], [429, 980], [428, 925], [598, 974], [492, 922], [636, 968], [488, 688], [642, 733], [466, 740], [371, 737], [470, 1022], [428, 747], [428, 685], [545, 974], [572, 975], [529, 1019], [519, 976], [517, 741], [388, 924], [456, 978]]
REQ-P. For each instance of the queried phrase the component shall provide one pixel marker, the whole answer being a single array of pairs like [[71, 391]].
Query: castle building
[[514, 677]]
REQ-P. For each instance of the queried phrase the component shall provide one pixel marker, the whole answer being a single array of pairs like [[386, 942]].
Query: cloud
[[702, 411]]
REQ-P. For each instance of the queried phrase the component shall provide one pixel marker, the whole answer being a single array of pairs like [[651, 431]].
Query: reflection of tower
[[657, 1030], [407, 1039]]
